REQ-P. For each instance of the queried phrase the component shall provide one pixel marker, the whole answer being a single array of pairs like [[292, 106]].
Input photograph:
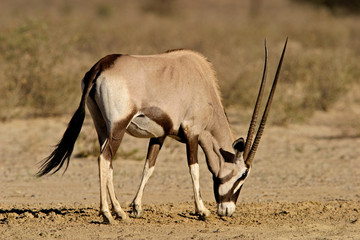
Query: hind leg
[[109, 142], [114, 201], [99, 122], [104, 171], [105, 168], [106, 175], [155, 145]]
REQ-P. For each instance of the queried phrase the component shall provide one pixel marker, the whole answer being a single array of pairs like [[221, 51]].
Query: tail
[[61, 154]]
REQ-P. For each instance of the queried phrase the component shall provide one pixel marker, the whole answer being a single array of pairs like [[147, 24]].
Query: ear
[[239, 145]]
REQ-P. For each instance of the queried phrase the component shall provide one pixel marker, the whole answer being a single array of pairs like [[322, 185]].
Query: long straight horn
[[255, 145], [252, 126]]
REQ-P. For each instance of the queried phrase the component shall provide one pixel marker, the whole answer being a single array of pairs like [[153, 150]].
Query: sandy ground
[[305, 184]]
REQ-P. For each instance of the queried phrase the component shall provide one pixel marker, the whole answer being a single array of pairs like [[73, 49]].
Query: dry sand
[[305, 184]]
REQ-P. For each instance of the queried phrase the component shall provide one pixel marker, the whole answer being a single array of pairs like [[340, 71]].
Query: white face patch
[[227, 186], [238, 186]]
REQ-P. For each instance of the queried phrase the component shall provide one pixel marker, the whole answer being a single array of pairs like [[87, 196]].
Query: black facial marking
[[226, 178], [216, 189]]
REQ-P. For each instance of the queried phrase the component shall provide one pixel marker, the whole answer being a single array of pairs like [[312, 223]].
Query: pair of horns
[[250, 145]]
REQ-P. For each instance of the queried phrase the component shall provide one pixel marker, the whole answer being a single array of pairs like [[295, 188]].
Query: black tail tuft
[[64, 148]]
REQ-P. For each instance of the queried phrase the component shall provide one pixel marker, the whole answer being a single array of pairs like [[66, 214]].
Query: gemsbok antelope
[[173, 94]]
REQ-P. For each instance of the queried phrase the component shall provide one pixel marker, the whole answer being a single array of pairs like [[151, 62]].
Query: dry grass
[[46, 47]]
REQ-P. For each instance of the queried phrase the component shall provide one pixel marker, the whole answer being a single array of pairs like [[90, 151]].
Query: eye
[[244, 175], [237, 184]]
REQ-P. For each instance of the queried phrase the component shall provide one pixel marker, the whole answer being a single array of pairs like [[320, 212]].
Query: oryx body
[[172, 94]]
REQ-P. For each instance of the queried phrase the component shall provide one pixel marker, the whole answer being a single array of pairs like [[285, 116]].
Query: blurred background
[[47, 46]]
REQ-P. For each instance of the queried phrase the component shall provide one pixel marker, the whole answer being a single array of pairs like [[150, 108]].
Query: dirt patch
[[305, 184], [252, 220]]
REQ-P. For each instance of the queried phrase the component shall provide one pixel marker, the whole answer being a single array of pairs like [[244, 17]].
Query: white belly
[[143, 127]]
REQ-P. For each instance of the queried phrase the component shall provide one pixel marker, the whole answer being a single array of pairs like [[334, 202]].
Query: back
[[179, 82]]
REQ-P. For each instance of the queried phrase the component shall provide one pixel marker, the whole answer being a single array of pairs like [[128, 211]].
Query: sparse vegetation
[[32, 81], [336, 6], [165, 8], [46, 49]]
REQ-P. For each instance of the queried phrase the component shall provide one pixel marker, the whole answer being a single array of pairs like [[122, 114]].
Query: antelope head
[[236, 166]]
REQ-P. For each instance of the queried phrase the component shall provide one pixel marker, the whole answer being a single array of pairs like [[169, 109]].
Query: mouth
[[226, 209]]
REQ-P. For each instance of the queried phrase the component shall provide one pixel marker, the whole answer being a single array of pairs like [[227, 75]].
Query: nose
[[226, 209]]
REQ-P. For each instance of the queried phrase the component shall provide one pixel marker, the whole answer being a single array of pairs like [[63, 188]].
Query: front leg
[[155, 145], [192, 152]]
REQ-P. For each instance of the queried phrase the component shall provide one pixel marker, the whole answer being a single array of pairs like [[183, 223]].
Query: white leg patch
[[145, 177], [199, 205]]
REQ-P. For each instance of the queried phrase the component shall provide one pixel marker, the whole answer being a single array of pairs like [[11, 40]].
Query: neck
[[217, 136], [222, 132]]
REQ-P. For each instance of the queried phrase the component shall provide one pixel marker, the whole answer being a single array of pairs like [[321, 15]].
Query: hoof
[[121, 214], [108, 219], [205, 213], [136, 211]]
